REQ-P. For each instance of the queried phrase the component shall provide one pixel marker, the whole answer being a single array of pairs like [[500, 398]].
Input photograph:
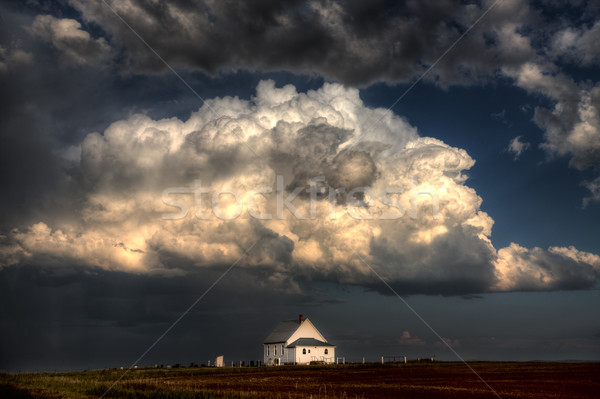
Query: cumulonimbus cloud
[[402, 206]]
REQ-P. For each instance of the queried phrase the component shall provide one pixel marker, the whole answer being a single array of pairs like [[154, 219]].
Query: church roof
[[308, 342], [282, 332]]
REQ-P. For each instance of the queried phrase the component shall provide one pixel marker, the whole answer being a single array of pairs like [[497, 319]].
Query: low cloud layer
[[411, 217]]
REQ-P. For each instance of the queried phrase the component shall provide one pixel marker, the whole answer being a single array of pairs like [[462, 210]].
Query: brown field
[[437, 380]]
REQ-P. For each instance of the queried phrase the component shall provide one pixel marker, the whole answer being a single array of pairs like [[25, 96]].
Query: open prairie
[[416, 380]]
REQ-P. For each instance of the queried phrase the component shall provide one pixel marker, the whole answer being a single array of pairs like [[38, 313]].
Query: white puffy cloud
[[578, 45], [594, 187], [517, 147], [405, 208], [572, 127], [76, 46], [534, 269], [543, 79]]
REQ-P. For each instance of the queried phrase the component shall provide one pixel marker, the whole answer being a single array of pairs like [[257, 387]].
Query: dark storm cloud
[[359, 43], [47, 106], [353, 42], [28, 170], [431, 268]]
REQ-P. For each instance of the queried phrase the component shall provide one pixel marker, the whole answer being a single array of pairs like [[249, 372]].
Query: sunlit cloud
[[306, 178]]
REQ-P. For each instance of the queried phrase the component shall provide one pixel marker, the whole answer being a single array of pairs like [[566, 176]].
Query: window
[[309, 351], [326, 351], [281, 349], [274, 350], [304, 351], [267, 350]]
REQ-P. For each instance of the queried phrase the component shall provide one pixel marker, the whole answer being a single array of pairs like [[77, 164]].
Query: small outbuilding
[[297, 342]]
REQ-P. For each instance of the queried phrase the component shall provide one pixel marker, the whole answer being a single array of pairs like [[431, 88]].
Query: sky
[[418, 178]]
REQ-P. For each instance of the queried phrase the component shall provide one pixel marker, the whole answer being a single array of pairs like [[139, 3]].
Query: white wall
[[317, 353], [294, 355], [306, 330]]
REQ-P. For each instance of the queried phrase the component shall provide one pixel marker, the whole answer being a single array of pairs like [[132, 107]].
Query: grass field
[[416, 380]]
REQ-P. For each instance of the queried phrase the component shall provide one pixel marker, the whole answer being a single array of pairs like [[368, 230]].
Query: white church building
[[297, 342]]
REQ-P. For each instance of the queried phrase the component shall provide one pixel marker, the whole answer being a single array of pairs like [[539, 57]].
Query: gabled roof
[[309, 342], [282, 332]]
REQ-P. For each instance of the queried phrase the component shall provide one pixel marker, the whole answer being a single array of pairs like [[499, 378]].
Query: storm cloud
[[402, 205], [352, 42], [357, 44]]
